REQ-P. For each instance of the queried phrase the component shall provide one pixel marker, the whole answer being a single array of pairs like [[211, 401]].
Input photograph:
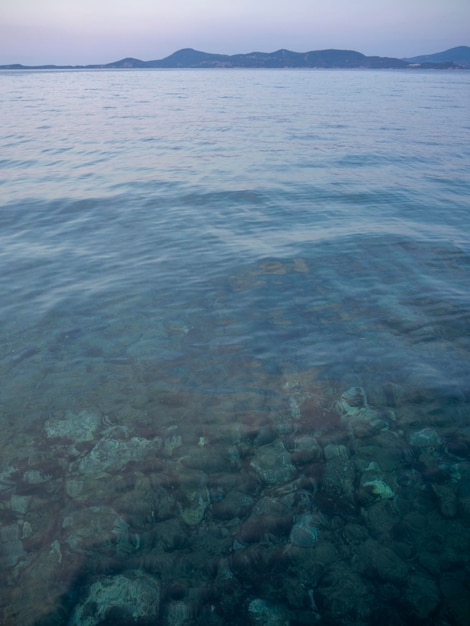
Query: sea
[[234, 347]]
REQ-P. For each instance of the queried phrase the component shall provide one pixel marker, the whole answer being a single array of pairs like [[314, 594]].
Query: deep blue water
[[204, 262]]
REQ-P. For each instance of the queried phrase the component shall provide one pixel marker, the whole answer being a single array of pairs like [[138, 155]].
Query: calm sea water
[[234, 347]]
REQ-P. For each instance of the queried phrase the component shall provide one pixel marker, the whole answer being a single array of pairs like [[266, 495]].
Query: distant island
[[454, 58]]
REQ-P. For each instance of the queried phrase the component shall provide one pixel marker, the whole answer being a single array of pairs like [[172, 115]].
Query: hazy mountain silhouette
[[455, 58], [459, 55]]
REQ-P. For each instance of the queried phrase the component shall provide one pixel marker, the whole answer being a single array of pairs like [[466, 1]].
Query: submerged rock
[[193, 496], [270, 520], [272, 463], [306, 450], [352, 401], [360, 418], [178, 613], [379, 488], [446, 498], [210, 458], [376, 560], [130, 598], [171, 441], [306, 530], [427, 439], [373, 486], [77, 427], [263, 612], [98, 529], [11, 547], [421, 596], [344, 597], [233, 506], [256, 564], [454, 589], [114, 451], [339, 474]]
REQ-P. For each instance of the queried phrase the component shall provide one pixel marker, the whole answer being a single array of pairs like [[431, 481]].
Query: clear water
[[197, 269]]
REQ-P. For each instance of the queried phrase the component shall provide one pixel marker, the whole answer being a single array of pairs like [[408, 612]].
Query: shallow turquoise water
[[196, 267]]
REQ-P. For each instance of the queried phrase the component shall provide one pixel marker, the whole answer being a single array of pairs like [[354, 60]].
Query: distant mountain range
[[455, 58]]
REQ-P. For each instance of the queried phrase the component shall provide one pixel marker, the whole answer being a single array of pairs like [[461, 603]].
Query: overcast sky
[[101, 31]]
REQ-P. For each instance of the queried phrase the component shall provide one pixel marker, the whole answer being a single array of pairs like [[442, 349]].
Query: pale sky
[[34, 32]]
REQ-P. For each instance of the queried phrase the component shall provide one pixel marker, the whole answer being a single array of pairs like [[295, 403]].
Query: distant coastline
[[455, 59]]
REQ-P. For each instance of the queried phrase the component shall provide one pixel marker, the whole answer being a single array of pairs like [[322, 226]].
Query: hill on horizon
[[454, 58], [459, 55], [331, 58]]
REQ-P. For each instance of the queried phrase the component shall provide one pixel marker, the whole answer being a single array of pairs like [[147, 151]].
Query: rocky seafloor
[[325, 507]]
